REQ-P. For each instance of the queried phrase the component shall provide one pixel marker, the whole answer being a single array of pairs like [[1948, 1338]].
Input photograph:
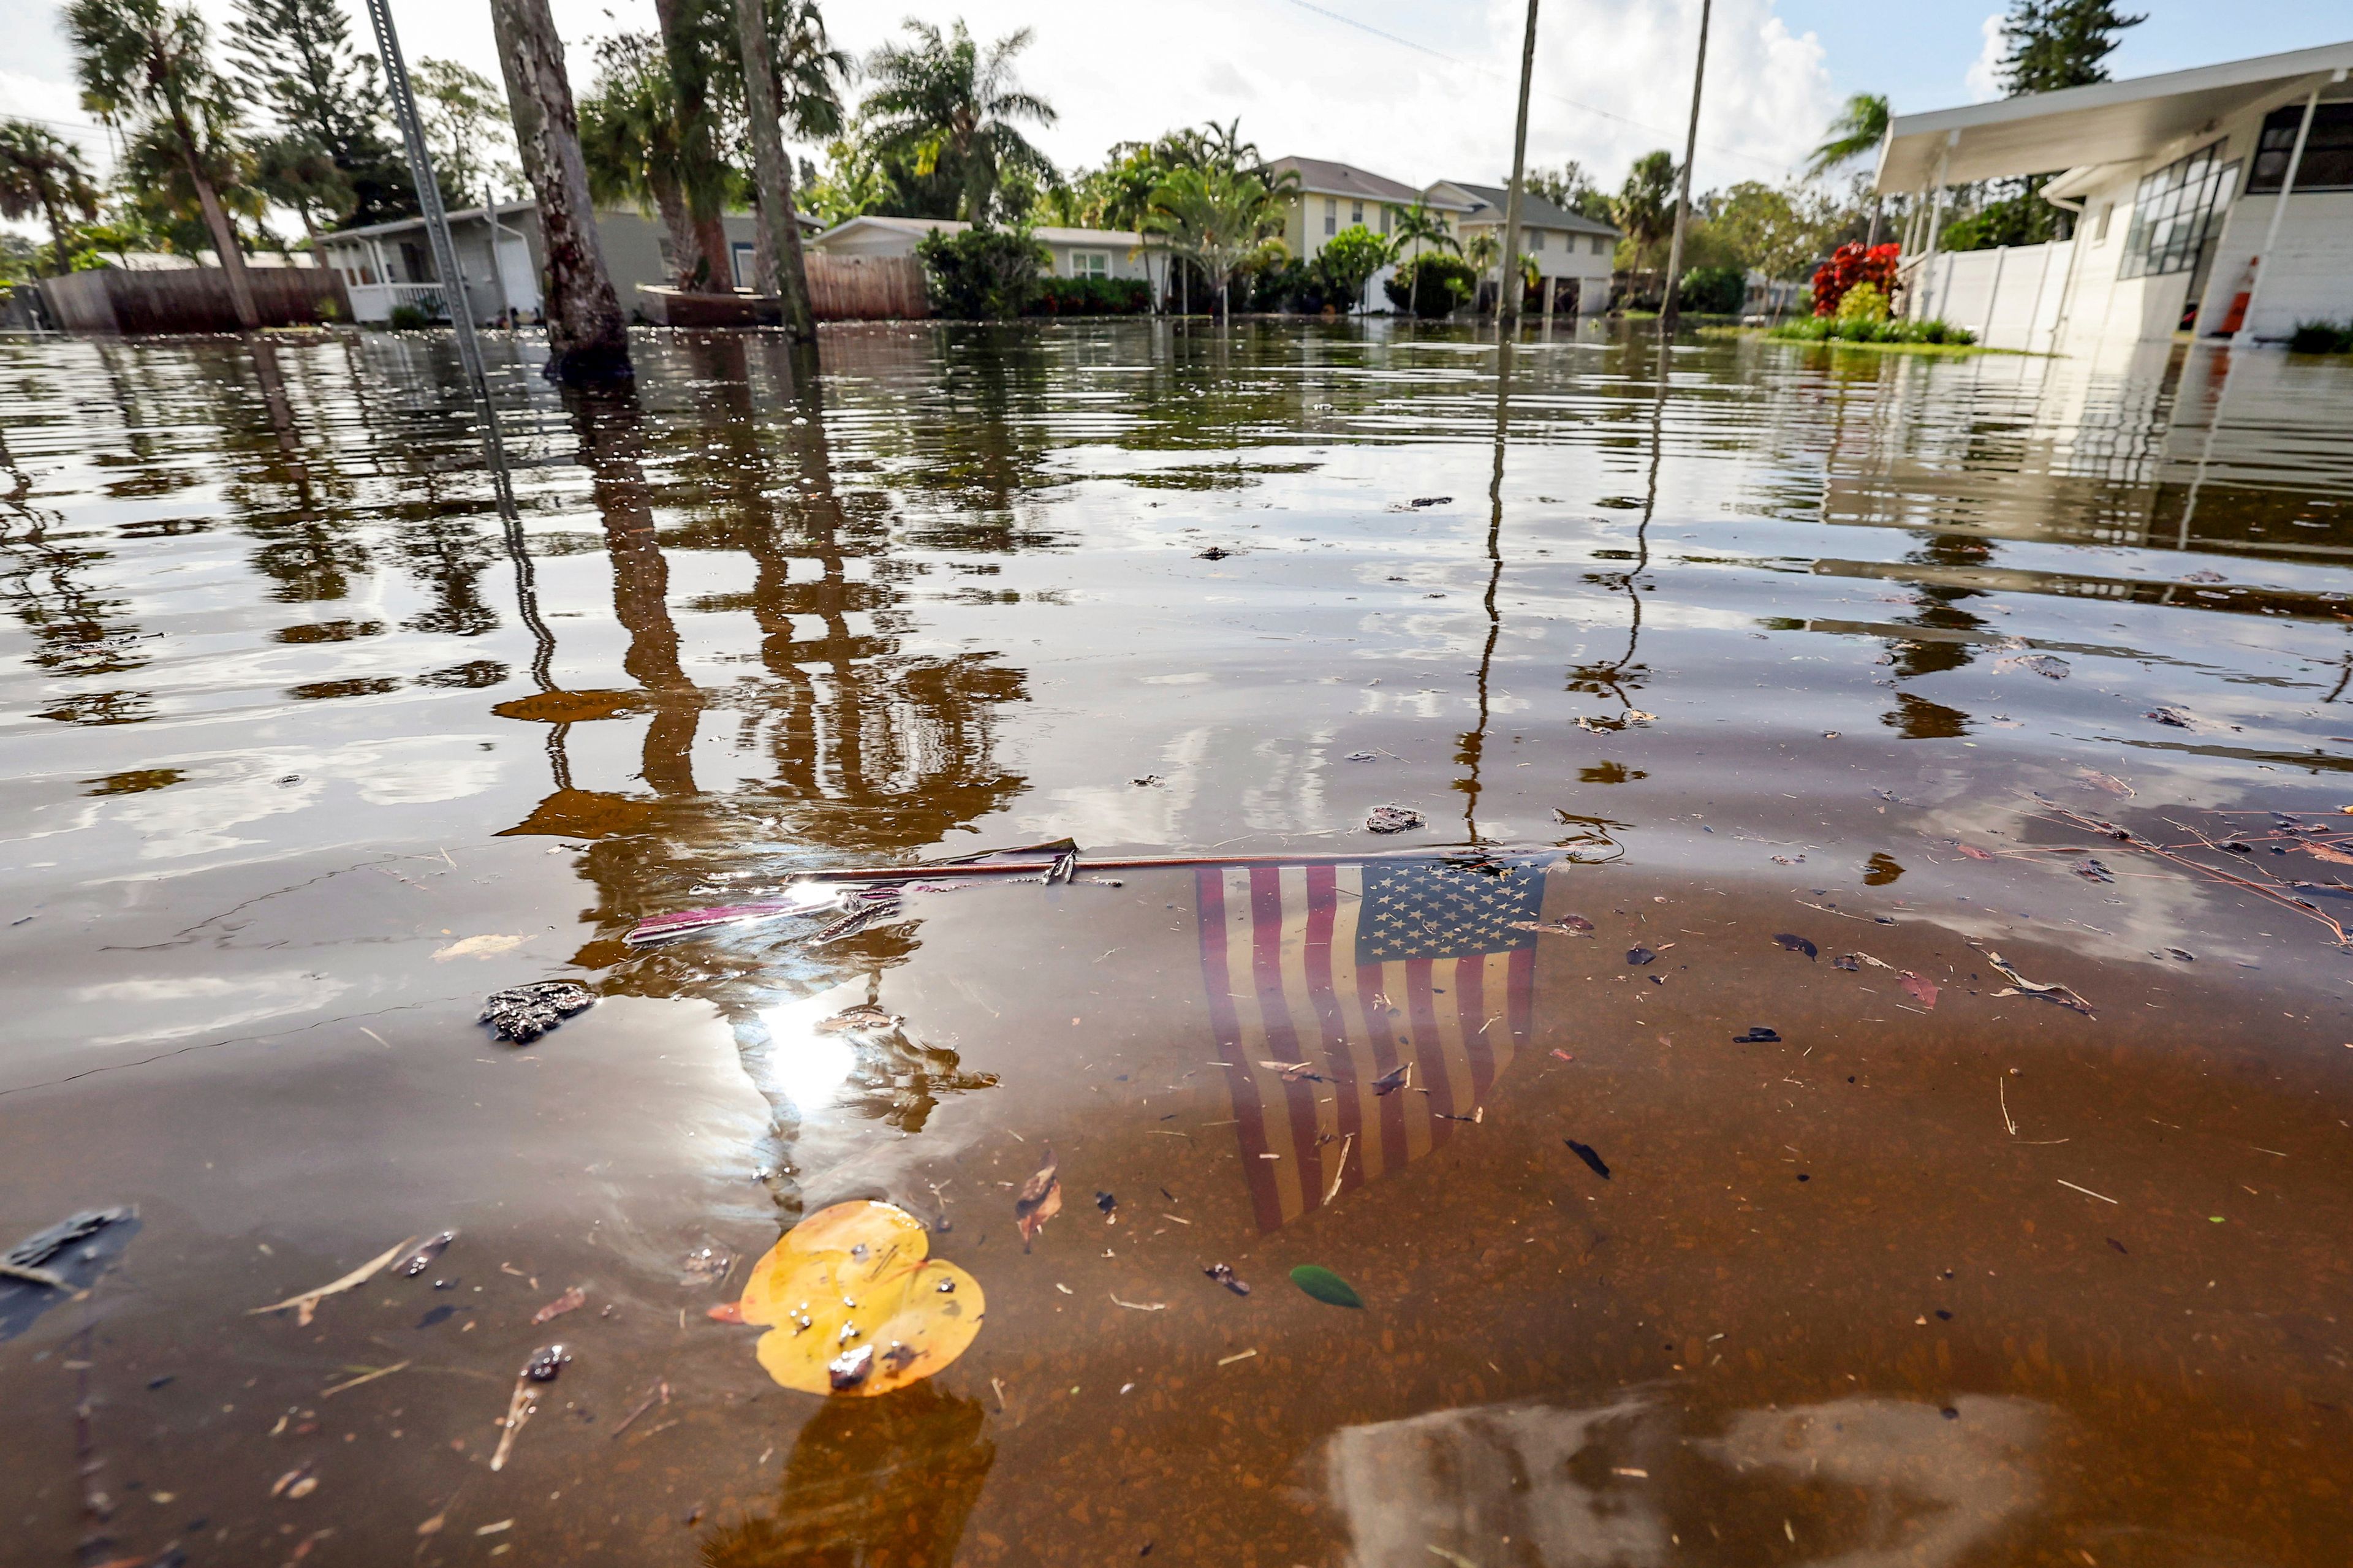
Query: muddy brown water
[[312, 741]]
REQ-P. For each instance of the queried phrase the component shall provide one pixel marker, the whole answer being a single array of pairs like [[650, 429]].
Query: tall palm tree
[[139, 62], [772, 184], [1225, 220], [42, 173], [588, 336], [944, 102], [1645, 207], [1860, 128]]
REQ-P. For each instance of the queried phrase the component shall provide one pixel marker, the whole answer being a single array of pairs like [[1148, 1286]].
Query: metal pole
[[497, 270], [428, 201], [1507, 297], [1668, 311], [2279, 211]]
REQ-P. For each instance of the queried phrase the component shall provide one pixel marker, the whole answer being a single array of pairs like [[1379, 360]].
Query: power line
[[1348, 21]]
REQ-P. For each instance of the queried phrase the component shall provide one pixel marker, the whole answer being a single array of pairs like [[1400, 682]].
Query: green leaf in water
[[1325, 1285]]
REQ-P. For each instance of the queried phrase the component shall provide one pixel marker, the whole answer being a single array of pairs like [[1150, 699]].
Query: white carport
[[2177, 181]]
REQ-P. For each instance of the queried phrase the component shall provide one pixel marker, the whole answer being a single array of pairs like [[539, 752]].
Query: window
[[1536, 239], [1600, 245], [1355, 212], [1388, 216], [1331, 215], [2172, 211], [2100, 232], [1091, 263], [2327, 162], [746, 257]]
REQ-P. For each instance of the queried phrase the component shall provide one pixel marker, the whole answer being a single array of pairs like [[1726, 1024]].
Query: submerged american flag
[[1357, 970]]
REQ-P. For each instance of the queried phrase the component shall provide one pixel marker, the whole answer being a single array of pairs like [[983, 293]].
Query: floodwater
[[1755, 698]]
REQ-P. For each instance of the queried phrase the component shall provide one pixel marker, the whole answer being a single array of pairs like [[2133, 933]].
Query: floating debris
[[1758, 1035], [419, 1261], [1793, 942], [1224, 1275], [49, 1266], [855, 1306], [1325, 1285], [2061, 995], [2048, 665], [863, 1019], [1039, 1200], [523, 1013], [1592, 1161], [307, 1303], [1392, 819], [570, 1301]]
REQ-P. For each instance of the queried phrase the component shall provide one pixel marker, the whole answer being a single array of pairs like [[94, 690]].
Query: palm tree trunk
[[587, 337], [708, 271], [671, 202], [56, 226], [773, 187], [217, 224]]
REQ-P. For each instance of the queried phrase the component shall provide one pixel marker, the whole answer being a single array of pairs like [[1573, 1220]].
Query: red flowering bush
[[1848, 265]]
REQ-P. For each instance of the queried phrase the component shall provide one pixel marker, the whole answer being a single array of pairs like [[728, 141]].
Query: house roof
[[399, 224], [1535, 211], [2106, 122], [1321, 177], [1050, 234], [474, 215]]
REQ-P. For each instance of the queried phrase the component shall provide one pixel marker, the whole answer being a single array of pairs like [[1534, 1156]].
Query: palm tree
[[137, 60], [1645, 205], [1416, 226], [1860, 128], [1225, 220], [945, 102], [772, 184], [629, 138], [588, 336], [42, 173]]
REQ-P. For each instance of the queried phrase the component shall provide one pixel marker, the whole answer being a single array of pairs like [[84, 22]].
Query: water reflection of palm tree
[[78, 631], [871, 1483], [1915, 717]]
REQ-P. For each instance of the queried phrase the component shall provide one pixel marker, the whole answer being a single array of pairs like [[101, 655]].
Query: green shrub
[[1345, 265], [2321, 338], [1090, 296], [983, 274], [1714, 290], [1864, 328], [1863, 302], [407, 318], [1432, 285]]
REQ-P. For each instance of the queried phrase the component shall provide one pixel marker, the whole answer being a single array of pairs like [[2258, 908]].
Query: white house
[[1077, 252], [2218, 201], [1572, 252], [388, 264]]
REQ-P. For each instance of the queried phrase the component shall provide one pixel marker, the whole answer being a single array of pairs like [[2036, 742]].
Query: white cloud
[[1984, 77], [1612, 81]]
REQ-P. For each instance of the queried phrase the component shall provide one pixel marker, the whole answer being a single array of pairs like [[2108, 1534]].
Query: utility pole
[[1507, 297], [1668, 313], [428, 201]]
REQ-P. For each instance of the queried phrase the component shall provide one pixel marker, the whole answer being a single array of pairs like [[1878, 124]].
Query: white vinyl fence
[[2011, 298]]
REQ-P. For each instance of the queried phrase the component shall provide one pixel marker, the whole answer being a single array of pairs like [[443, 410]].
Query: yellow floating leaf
[[854, 1305]]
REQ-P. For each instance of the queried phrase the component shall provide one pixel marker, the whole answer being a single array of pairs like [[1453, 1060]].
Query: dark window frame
[[2173, 214], [2327, 162]]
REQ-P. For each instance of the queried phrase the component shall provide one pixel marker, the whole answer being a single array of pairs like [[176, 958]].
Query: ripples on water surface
[[308, 748]]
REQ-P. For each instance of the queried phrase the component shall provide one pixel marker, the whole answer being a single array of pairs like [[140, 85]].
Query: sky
[[1415, 90]]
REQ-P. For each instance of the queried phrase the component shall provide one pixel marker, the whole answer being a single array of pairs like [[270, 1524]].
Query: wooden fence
[[192, 298], [866, 288]]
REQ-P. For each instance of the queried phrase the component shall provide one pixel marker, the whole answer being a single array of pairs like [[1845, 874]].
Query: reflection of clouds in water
[[1289, 795], [1855, 1483], [225, 791], [1934, 1487], [246, 1000]]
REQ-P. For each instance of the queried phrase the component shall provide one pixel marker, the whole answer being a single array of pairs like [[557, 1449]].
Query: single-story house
[[2217, 200], [1077, 252], [500, 258], [1572, 252]]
